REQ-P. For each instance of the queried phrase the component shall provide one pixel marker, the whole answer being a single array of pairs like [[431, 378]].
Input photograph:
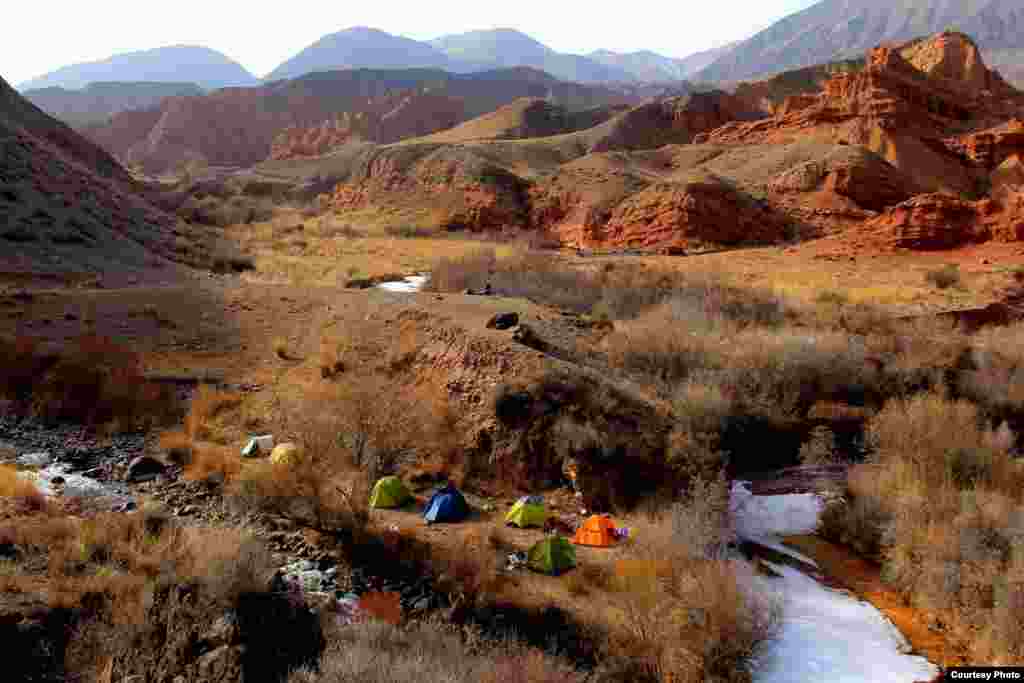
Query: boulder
[[287, 453], [503, 321], [527, 336], [144, 468]]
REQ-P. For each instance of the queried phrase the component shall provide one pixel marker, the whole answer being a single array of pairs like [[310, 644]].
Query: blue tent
[[447, 505]]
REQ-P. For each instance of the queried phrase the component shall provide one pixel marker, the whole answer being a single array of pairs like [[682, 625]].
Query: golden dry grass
[[334, 249]]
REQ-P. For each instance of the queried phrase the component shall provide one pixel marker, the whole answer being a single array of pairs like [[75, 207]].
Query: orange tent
[[598, 530]]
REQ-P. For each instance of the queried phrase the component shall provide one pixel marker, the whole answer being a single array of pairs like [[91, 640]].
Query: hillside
[[206, 68], [528, 117], [67, 209], [507, 48], [843, 28], [310, 115], [360, 48], [97, 102], [693, 64]]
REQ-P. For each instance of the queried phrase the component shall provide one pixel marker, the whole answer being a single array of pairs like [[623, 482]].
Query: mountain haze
[[505, 47], [206, 68], [360, 48], [99, 101], [841, 28]]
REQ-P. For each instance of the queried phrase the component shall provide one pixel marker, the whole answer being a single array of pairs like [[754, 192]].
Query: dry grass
[[336, 249], [376, 652]]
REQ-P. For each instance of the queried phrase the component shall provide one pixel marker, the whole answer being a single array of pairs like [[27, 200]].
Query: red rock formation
[[937, 221], [902, 105]]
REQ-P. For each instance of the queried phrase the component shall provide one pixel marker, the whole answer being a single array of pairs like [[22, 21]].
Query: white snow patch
[[413, 283], [825, 635], [828, 635], [759, 516]]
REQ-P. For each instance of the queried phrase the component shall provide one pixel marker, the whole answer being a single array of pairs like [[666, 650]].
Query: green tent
[[527, 511], [553, 555], [389, 492]]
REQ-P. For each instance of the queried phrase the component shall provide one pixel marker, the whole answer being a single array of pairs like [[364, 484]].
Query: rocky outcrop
[[851, 172], [902, 105], [938, 221], [698, 212]]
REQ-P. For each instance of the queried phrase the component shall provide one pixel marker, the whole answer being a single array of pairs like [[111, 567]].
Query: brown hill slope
[[315, 113], [67, 209], [528, 117]]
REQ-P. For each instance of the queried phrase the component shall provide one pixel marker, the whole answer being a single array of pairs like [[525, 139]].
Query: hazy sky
[[43, 36]]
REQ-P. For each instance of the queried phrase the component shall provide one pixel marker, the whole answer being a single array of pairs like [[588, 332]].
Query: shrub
[[945, 277], [377, 652], [93, 381], [820, 448]]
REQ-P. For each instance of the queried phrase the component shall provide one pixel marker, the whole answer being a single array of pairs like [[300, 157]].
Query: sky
[[48, 35]]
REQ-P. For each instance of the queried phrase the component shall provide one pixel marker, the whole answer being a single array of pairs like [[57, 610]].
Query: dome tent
[[389, 492], [447, 505], [597, 531], [553, 556], [527, 511]]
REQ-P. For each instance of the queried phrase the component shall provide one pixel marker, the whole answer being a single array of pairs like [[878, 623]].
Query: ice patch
[[762, 516], [828, 635], [825, 635], [413, 283]]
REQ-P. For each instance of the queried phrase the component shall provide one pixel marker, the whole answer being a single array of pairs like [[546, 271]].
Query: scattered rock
[[144, 468], [503, 321], [37, 459], [525, 335]]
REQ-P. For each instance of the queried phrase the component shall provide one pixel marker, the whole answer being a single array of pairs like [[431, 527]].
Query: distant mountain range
[[836, 29], [97, 102], [369, 48], [206, 68]]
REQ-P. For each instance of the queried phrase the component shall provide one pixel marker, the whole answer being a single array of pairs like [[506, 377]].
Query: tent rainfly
[[553, 556], [389, 492], [527, 511]]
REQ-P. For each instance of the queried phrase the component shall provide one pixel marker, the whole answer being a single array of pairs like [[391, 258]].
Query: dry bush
[[820, 448], [93, 381], [124, 557], [471, 271], [940, 502], [945, 277], [209, 412], [377, 652], [470, 574], [679, 608]]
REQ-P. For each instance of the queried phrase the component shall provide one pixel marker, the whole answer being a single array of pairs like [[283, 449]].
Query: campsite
[[375, 343]]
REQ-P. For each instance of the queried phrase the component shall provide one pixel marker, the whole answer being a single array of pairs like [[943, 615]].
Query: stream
[[826, 634]]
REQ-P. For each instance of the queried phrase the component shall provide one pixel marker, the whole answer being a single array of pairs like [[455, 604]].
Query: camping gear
[[527, 511], [553, 556], [447, 505], [389, 492], [597, 531], [287, 453], [622, 533], [258, 444], [515, 561]]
